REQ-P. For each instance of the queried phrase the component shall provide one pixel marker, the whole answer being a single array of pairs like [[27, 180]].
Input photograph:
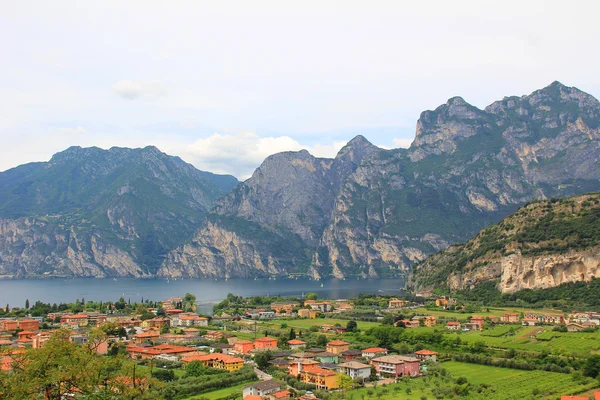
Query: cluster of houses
[[322, 366], [310, 309]]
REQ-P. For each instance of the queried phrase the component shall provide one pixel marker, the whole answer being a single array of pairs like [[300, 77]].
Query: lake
[[207, 292]]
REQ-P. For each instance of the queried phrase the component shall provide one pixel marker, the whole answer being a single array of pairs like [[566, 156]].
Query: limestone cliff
[[377, 212], [544, 244]]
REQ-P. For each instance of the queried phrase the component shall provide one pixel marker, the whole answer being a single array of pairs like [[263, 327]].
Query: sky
[[223, 84]]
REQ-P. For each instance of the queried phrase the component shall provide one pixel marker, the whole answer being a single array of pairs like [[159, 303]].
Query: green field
[[307, 323], [503, 384], [221, 393], [516, 384]]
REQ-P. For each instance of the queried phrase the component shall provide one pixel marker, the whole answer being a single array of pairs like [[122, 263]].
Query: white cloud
[[132, 90], [402, 142], [239, 154]]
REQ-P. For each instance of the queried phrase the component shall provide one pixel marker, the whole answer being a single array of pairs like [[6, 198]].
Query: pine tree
[[27, 304]]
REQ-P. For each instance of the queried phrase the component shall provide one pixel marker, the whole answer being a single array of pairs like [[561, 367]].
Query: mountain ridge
[[466, 169]]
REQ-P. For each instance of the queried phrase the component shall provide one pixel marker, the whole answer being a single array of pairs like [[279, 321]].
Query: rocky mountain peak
[[356, 149]]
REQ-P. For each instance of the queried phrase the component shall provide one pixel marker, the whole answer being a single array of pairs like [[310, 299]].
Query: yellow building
[[337, 346], [321, 378], [217, 360], [396, 303], [430, 321]]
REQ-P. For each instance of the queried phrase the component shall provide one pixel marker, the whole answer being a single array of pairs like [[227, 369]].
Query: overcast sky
[[224, 84]]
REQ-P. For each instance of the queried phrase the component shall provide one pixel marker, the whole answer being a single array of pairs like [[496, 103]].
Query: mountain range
[[367, 212]]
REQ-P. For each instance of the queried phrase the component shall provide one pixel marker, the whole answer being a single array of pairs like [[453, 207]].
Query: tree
[[321, 341], [195, 368], [165, 375], [27, 304], [262, 359], [311, 296], [351, 326], [62, 367], [592, 366], [292, 334], [164, 329]]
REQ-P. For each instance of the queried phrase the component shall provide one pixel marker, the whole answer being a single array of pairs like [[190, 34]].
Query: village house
[[426, 355], [326, 357], [453, 326], [510, 318], [280, 363], [477, 320], [11, 325], [74, 320], [408, 324], [243, 346], [156, 323], [396, 366], [337, 346], [574, 327], [188, 320], [350, 355], [214, 335], [529, 321], [283, 308], [280, 395], [145, 352], [146, 336], [547, 318], [396, 303], [263, 388], [441, 302], [224, 348], [430, 321], [217, 361], [355, 369], [304, 313], [324, 306], [296, 344], [265, 343], [374, 352], [322, 378], [299, 365]]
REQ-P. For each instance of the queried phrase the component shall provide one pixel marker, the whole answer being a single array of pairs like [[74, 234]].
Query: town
[[308, 348]]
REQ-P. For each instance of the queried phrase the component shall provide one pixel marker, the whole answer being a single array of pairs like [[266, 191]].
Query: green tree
[[292, 335], [27, 304], [592, 366], [164, 329], [311, 296], [321, 341], [262, 359], [195, 368], [351, 326]]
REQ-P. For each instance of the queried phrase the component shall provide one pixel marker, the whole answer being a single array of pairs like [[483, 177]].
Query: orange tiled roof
[[265, 339], [337, 343], [296, 341], [425, 352], [281, 394], [374, 350], [214, 356]]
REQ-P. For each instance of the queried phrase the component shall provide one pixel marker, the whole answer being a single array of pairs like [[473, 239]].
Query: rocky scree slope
[[544, 244], [376, 212], [93, 212]]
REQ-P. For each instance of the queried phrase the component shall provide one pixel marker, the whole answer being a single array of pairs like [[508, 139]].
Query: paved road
[[262, 375]]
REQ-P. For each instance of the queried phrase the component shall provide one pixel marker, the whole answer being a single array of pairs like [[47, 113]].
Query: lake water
[[207, 292]]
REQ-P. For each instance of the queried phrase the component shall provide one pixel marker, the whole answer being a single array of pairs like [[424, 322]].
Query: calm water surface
[[207, 292]]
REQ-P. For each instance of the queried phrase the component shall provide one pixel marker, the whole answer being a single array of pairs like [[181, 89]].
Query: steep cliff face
[[93, 212], [544, 244], [376, 212], [270, 224]]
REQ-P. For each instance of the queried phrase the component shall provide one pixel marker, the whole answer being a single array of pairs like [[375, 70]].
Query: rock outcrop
[[543, 245]]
